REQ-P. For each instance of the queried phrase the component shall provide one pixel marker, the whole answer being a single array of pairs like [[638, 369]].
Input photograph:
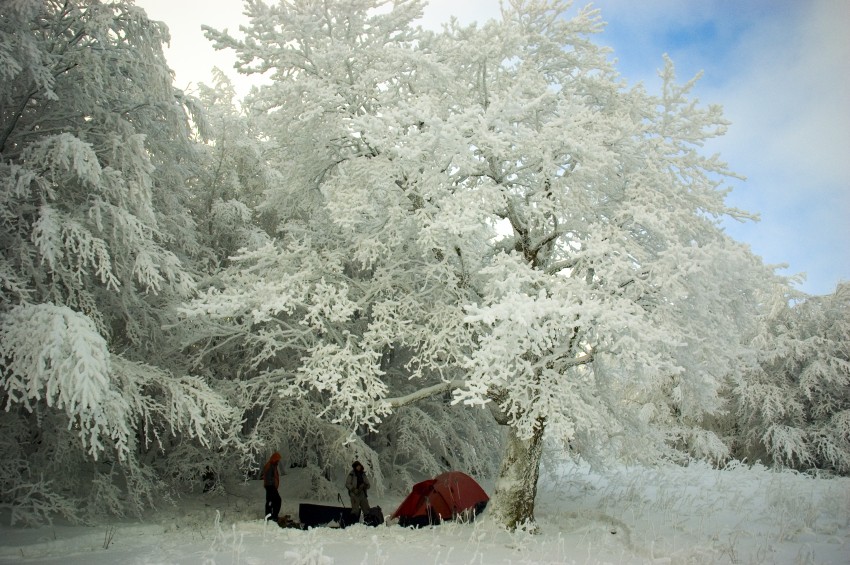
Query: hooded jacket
[[271, 474], [357, 482]]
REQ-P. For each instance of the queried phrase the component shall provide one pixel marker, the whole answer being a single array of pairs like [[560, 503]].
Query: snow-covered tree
[[326, 298], [92, 136], [488, 211], [96, 243], [607, 322], [791, 403], [232, 175]]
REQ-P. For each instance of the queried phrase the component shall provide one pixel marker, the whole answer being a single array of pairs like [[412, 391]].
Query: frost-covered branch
[[52, 354], [399, 401]]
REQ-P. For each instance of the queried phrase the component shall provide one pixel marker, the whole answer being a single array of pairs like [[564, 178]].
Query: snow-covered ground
[[625, 515]]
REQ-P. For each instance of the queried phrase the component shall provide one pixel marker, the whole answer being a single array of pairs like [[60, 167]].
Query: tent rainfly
[[445, 497]]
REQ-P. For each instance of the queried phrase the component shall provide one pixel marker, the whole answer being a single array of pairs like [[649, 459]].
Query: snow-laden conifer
[[96, 242]]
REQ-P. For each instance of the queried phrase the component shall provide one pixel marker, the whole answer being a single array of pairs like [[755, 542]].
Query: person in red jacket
[[271, 482]]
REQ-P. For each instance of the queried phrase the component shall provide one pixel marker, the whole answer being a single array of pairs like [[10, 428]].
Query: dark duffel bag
[[312, 515], [374, 517]]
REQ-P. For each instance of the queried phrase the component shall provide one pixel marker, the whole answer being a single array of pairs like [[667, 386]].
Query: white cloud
[[790, 95], [787, 95]]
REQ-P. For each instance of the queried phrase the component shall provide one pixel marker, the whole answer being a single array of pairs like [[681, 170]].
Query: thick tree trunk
[[516, 488]]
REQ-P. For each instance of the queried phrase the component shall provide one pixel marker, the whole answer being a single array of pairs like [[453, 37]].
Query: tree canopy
[[97, 247], [494, 203]]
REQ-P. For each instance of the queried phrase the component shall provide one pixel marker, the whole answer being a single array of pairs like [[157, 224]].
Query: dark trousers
[[359, 502], [272, 503]]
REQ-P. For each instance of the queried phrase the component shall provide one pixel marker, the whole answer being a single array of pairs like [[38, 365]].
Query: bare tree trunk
[[516, 487]]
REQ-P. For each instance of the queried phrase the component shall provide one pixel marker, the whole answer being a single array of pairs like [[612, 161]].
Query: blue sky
[[779, 68]]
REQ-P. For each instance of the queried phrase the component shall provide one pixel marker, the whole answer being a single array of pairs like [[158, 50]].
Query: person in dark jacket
[[271, 482], [358, 484]]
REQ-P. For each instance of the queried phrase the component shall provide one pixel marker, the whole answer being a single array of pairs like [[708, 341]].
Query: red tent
[[441, 498]]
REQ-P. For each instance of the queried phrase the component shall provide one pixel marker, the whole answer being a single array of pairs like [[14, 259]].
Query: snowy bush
[[792, 401]]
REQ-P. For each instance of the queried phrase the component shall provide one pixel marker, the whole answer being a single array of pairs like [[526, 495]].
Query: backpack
[[374, 517]]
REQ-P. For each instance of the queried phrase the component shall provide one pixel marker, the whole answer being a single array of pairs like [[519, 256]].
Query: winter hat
[[356, 464], [275, 457]]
